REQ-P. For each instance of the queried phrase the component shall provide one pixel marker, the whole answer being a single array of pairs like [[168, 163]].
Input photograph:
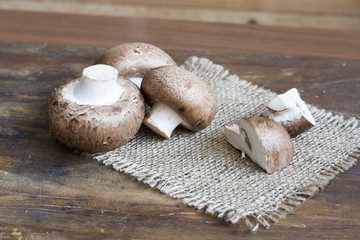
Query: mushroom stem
[[98, 85], [162, 120], [232, 133], [136, 80]]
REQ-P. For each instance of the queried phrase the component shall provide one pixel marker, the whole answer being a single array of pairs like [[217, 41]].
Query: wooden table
[[47, 191]]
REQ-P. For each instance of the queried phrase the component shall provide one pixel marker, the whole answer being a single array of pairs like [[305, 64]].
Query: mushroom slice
[[263, 140], [133, 60], [178, 97], [291, 111], [97, 112]]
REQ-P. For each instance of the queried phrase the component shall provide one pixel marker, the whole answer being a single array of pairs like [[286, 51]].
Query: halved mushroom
[[177, 97], [133, 60], [97, 112], [291, 111], [263, 140]]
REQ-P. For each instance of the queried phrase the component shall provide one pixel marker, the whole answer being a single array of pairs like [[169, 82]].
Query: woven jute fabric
[[206, 172]]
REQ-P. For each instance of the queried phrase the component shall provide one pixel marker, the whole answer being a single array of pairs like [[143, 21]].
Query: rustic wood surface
[[178, 35], [48, 191], [328, 14]]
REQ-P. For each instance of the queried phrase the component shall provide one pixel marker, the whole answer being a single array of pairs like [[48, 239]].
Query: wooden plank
[[310, 6], [110, 31], [47, 191], [262, 13], [305, 6]]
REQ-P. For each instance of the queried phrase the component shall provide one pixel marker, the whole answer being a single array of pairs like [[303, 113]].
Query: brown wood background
[[328, 14]]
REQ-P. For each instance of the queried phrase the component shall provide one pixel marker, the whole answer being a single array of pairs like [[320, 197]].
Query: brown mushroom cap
[[295, 128], [96, 128], [186, 94], [135, 59]]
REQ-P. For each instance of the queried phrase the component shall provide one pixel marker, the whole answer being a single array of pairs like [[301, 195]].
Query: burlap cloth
[[205, 171]]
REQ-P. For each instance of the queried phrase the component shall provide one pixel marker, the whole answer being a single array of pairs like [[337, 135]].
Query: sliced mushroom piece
[[263, 140], [291, 111], [97, 112], [177, 97], [133, 60]]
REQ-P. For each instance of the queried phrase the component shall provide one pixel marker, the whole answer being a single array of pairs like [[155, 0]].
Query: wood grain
[[330, 14], [49, 192], [317, 6], [179, 35]]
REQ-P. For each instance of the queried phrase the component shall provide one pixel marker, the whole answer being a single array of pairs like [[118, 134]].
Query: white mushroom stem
[[136, 80], [98, 85], [232, 133], [162, 120]]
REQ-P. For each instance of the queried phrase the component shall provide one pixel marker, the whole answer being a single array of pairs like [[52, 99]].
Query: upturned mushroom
[[133, 60], [291, 111], [263, 140], [178, 97], [97, 112]]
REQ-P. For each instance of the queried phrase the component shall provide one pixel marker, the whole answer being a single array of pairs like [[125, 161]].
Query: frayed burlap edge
[[292, 202], [252, 220]]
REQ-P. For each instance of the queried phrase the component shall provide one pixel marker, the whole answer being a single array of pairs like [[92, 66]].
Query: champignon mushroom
[[133, 60], [291, 111], [97, 112], [263, 140], [177, 97]]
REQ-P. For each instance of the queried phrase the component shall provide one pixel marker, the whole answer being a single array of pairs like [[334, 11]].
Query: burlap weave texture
[[206, 172]]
